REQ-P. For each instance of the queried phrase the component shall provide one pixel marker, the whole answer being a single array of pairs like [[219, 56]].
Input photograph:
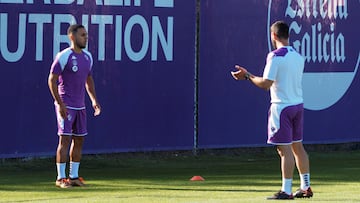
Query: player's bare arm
[[90, 88], [261, 82], [52, 82], [243, 74]]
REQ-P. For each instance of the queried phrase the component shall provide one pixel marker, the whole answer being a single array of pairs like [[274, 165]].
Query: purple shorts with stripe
[[75, 124], [291, 126]]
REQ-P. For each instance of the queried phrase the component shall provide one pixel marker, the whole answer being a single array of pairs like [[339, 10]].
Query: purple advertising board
[[234, 113], [143, 70]]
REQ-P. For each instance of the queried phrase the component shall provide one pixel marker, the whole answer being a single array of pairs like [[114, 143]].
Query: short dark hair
[[280, 29], [74, 28]]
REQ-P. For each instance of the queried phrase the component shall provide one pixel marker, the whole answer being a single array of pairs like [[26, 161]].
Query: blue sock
[[61, 170], [74, 170]]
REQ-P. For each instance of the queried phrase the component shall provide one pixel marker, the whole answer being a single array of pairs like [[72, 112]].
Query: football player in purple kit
[[70, 75], [283, 76]]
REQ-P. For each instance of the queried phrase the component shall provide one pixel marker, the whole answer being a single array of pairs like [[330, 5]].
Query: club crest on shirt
[[74, 63]]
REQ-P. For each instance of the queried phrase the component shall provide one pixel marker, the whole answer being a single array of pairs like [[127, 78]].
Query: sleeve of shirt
[[91, 64], [271, 68], [56, 66], [88, 54]]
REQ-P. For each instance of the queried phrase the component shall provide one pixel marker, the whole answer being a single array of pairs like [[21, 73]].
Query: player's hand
[[97, 109], [239, 74]]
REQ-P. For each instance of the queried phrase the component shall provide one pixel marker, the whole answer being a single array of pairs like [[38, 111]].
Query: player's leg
[[76, 148], [64, 132], [287, 170], [287, 167], [80, 132], [282, 138], [62, 150], [301, 156], [303, 166], [75, 158], [62, 156]]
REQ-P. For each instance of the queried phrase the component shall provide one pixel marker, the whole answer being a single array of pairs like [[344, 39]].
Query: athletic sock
[[304, 181], [61, 170], [74, 169], [286, 186]]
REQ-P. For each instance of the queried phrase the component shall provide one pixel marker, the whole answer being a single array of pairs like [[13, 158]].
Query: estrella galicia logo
[[324, 33]]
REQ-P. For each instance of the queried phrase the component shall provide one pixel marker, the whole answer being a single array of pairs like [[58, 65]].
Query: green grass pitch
[[230, 176]]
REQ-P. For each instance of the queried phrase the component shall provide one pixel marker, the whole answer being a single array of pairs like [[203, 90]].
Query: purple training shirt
[[73, 70]]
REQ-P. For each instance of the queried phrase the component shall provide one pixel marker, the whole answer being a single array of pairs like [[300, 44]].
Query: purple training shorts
[[291, 126], [75, 124]]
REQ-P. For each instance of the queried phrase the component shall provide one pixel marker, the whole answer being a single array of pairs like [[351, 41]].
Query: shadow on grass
[[223, 173]]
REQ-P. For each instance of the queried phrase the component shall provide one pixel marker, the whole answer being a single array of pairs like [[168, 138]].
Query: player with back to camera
[[283, 76], [70, 75]]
